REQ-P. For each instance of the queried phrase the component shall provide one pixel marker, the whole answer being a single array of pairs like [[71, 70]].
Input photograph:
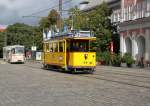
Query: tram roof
[[71, 38], [78, 35], [12, 46]]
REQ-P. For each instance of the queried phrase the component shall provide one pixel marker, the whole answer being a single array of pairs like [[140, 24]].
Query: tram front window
[[79, 46], [19, 50]]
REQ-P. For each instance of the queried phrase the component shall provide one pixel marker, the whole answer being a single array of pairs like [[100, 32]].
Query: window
[[55, 47], [47, 47], [19, 50], [61, 46], [79, 46], [51, 47]]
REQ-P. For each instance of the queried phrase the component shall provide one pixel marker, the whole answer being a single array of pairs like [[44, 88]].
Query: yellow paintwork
[[85, 38], [67, 59], [77, 59], [54, 58]]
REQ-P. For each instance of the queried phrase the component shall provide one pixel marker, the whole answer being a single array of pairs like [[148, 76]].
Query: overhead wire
[[55, 6]]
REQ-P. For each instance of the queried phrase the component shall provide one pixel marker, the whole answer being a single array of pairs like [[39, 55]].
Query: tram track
[[119, 81], [126, 76], [107, 76], [123, 73]]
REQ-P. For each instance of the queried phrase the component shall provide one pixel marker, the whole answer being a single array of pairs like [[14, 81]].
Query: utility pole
[[5, 39], [60, 11], [60, 7]]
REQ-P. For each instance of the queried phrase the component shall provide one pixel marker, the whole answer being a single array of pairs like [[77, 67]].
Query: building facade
[[133, 20], [134, 27]]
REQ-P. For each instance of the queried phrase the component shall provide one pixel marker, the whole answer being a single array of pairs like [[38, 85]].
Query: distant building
[[92, 4], [3, 28], [134, 28], [133, 20]]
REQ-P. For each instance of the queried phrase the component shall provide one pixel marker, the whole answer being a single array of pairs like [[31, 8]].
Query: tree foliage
[[24, 35], [52, 19], [96, 20], [77, 19], [101, 25], [2, 41]]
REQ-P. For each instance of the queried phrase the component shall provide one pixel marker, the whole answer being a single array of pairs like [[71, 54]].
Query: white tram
[[14, 54]]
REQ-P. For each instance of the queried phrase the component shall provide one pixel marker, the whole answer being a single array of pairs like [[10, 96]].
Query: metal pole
[[72, 21], [60, 7], [5, 39], [60, 11]]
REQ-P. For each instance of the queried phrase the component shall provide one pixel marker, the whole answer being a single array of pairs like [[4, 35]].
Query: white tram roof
[[73, 35], [13, 46]]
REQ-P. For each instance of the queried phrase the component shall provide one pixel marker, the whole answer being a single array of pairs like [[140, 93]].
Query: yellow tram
[[70, 52]]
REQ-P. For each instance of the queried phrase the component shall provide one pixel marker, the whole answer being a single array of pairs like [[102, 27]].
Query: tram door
[[67, 52], [62, 53]]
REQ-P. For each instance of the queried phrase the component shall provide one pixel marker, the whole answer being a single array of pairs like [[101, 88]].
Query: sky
[[12, 11]]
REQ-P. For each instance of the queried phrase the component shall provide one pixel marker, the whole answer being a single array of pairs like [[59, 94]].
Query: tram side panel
[[82, 60], [54, 58]]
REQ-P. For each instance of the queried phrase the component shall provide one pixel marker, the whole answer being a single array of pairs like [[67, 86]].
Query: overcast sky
[[11, 11]]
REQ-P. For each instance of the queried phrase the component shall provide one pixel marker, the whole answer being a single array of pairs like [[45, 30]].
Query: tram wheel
[[92, 71], [45, 66], [73, 71]]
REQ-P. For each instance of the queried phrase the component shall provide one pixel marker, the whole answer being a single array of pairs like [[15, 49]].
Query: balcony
[[132, 12]]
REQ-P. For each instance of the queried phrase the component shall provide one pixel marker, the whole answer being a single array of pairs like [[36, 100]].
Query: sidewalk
[[124, 67], [2, 61]]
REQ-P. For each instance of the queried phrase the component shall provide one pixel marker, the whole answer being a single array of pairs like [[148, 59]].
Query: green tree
[[100, 23], [44, 22], [77, 19], [23, 34], [2, 42], [96, 20], [52, 19], [38, 37]]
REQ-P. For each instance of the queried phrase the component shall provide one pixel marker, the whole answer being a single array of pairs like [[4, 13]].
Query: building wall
[[134, 28], [131, 10], [138, 43]]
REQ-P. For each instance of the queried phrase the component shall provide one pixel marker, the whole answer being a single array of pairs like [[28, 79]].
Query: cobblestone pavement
[[29, 85]]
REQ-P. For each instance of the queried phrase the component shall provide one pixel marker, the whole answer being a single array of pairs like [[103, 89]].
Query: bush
[[116, 59], [104, 58], [100, 58], [128, 59]]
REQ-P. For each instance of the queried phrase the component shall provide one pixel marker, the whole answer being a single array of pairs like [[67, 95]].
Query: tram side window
[[61, 46], [84, 46], [51, 47], [79, 46], [74, 46], [68, 46], [47, 47], [44, 47], [92, 47], [55, 47]]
